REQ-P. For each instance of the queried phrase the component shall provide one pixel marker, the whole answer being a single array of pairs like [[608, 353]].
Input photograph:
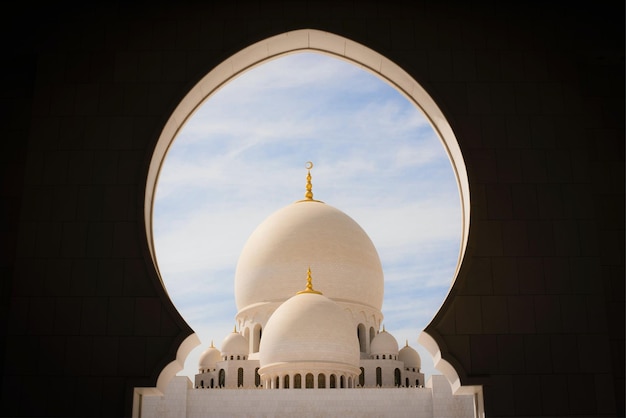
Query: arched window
[[238, 357], [240, 376], [246, 334], [257, 377], [297, 381], [384, 357], [342, 382], [360, 332], [286, 382], [406, 382], [321, 381], [333, 381], [417, 382], [256, 338], [202, 383], [309, 381], [231, 357], [397, 377], [379, 376], [362, 377], [222, 378], [277, 382], [212, 383]]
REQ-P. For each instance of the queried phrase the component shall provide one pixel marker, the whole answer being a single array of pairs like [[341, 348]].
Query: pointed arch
[[275, 47], [324, 43]]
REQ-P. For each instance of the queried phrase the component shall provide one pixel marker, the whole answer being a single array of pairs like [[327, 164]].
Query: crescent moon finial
[[309, 186]]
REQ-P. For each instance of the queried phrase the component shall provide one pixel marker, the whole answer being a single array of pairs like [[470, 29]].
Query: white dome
[[309, 234], [235, 344], [384, 343], [309, 328], [410, 357], [209, 358]]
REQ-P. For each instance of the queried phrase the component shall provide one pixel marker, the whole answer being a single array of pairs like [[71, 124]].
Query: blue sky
[[241, 157]]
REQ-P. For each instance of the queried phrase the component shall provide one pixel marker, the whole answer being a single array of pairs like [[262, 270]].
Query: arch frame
[[337, 46]]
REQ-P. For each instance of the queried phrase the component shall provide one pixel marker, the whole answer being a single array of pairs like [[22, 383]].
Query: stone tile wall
[[533, 91]]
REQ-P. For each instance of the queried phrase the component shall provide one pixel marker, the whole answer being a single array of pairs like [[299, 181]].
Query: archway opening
[[239, 159], [346, 51]]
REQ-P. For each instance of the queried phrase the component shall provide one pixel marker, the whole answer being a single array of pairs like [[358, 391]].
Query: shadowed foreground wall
[[535, 95]]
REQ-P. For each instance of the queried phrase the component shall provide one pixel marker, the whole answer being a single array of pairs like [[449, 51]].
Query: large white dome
[[306, 234], [309, 328]]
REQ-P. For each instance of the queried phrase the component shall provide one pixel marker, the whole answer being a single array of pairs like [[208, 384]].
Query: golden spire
[[212, 346], [308, 196], [235, 328], [407, 343], [309, 285], [309, 186]]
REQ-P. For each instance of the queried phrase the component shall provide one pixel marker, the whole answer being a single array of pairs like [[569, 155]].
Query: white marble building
[[309, 292]]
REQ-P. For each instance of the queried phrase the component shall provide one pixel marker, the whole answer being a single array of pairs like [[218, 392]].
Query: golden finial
[[212, 346], [308, 196], [309, 186], [384, 328], [235, 328], [309, 285], [407, 343]]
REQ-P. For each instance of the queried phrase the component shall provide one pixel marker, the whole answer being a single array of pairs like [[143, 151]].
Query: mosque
[[309, 291]]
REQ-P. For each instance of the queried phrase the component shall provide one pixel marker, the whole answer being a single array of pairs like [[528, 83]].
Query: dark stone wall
[[534, 92]]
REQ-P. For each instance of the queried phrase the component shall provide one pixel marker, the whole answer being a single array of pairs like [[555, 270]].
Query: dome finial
[[309, 186], [309, 284], [212, 346]]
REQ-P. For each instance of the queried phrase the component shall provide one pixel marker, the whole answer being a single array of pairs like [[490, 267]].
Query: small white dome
[[409, 356], [235, 344], [209, 358], [384, 343], [310, 328], [309, 233]]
